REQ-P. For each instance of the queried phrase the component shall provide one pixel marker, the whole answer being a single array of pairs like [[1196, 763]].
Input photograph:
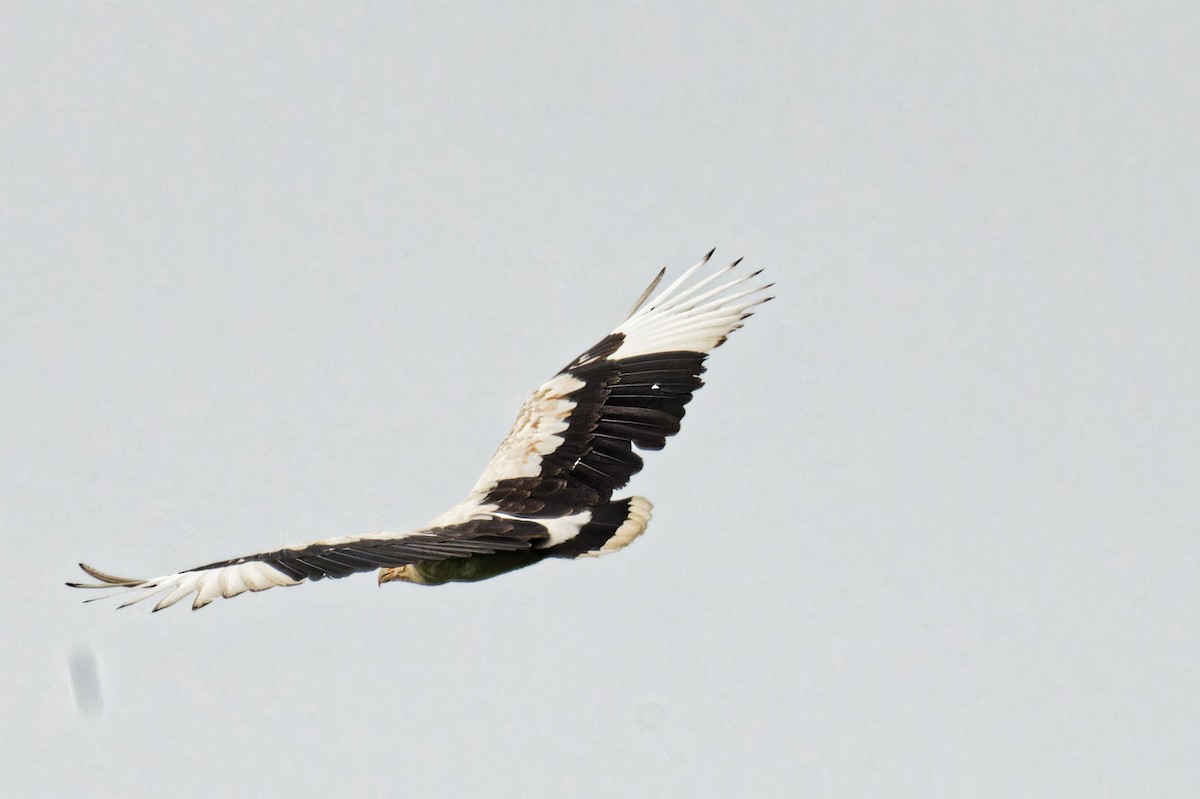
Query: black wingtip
[[709, 255]]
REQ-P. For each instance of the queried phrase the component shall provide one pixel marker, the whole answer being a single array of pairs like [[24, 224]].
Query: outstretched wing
[[334, 557], [572, 444]]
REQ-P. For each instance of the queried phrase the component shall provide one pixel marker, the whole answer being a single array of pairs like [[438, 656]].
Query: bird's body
[[547, 492]]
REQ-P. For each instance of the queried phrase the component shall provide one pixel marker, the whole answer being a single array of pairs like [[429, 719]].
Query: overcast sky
[[274, 272]]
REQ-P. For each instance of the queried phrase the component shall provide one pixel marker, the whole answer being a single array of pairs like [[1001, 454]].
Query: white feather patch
[[535, 434], [207, 585], [674, 319], [563, 528]]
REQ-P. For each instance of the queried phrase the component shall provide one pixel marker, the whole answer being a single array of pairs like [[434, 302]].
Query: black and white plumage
[[547, 492]]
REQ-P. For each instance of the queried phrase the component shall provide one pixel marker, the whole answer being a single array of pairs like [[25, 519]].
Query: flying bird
[[547, 492]]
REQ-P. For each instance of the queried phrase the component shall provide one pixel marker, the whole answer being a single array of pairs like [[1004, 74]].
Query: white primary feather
[[669, 322], [227, 581]]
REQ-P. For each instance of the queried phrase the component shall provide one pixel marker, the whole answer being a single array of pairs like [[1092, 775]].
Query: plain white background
[[279, 271]]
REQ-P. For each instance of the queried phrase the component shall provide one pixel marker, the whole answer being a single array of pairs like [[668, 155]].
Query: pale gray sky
[[278, 271]]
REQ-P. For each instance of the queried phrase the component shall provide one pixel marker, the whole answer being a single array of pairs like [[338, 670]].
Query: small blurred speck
[[85, 681]]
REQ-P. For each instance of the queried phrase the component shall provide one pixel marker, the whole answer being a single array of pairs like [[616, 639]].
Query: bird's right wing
[[333, 557], [573, 442]]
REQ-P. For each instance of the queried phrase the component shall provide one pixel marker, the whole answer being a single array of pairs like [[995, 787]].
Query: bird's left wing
[[333, 557]]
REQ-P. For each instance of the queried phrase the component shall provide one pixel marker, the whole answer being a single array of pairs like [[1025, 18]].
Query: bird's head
[[407, 573]]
